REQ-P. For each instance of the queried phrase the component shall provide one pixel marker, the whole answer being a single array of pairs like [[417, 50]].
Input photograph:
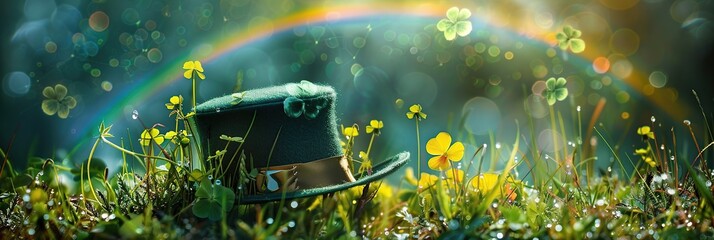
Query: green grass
[[561, 195]]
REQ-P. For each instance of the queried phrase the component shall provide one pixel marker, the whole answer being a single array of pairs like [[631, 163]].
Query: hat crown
[[287, 124]]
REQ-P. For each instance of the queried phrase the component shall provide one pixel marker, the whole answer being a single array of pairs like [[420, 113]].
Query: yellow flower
[[649, 161], [57, 101], [645, 132], [193, 67], [643, 151], [409, 176], [450, 175], [151, 134], [444, 151], [350, 132], [375, 126], [174, 101], [415, 110], [485, 183], [366, 163], [427, 180]]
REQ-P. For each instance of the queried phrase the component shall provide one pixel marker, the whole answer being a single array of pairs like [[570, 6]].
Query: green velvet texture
[[379, 171], [300, 139]]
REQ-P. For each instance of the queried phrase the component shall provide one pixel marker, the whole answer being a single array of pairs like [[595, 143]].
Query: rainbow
[[170, 71]]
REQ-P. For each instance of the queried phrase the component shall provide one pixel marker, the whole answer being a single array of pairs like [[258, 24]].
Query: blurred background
[[642, 60]]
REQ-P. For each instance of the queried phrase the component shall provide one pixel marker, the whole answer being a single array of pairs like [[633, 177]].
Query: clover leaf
[[570, 38], [456, 22], [555, 90], [212, 200]]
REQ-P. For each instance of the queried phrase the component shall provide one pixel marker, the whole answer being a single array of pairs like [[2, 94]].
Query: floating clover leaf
[[570, 37], [193, 67], [415, 110], [149, 135], [374, 126], [212, 200], [456, 22], [444, 151], [57, 101], [555, 90], [295, 107]]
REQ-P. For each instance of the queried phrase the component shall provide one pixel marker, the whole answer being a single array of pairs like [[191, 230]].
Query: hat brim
[[379, 171]]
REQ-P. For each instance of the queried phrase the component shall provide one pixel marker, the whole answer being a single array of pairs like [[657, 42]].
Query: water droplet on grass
[[294, 204], [134, 114]]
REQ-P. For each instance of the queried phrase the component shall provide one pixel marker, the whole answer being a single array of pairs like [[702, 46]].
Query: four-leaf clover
[[444, 152], [555, 90], [570, 37], [57, 101], [456, 22]]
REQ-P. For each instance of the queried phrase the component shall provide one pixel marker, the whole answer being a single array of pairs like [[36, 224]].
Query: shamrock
[[570, 37], [310, 108], [149, 135], [57, 101], [444, 151], [294, 106], [212, 200], [303, 89], [555, 90], [375, 127], [415, 110], [456, 22]]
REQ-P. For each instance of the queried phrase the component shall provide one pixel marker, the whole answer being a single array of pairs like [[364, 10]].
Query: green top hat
[[291, 141]]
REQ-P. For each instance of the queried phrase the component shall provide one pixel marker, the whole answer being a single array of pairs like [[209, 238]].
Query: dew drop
[[218, 182], [687, 122], [269, 221], [578, 108], [134, 114], [294, 204], [653, 119]]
